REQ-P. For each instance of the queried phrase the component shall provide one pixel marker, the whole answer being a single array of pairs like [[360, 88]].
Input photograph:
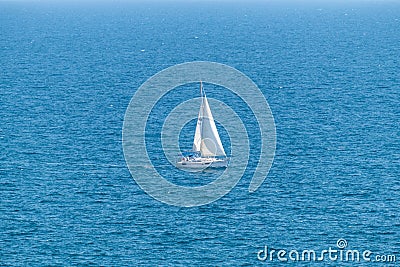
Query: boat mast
[[202, 114]]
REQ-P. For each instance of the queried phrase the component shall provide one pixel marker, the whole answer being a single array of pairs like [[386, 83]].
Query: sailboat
[[207, 151]]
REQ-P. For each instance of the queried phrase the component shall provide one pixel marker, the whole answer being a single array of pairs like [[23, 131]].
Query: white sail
[[206, 142], [206, 138], [197, 135]]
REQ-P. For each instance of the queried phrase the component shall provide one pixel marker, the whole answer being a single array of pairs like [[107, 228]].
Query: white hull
[[202, 163]]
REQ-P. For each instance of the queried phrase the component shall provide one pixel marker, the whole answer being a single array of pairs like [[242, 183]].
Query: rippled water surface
[[330, 75]]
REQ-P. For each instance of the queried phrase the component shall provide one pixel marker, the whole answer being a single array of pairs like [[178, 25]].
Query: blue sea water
[[330, 73]]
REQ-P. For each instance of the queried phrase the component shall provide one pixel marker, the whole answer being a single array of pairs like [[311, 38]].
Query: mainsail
[[206, 138]]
